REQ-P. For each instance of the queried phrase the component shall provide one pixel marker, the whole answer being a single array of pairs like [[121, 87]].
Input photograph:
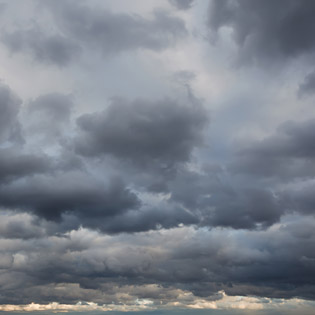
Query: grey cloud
[[289, 153], [10, 129], [20, 226], [56, 106], [149, 134], [74, 192], [48, 118], [182, 4], [299, 198], [203, 262], [50, 49], [148, 218], [15, 164], [307, 87], [217, 198], [112, 32], [244, 208], [266, 30]]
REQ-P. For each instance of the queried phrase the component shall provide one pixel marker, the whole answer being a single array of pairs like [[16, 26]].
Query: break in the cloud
[[140, 170]]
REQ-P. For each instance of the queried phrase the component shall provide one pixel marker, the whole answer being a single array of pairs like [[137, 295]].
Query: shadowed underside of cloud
[[149, 134], [50, 197]]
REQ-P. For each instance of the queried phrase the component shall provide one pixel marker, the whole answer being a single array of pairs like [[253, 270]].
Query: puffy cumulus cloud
[[49, 49], [266, 30], [148, 134], [20, 226], [9, 107]]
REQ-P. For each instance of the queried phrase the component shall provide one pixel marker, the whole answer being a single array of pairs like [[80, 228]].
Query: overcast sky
[[157, 156]]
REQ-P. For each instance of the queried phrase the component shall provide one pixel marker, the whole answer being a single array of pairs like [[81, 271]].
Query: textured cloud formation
[[49, 197], [50, 49], [112, 32], [139, 170], [266, 30], [162, 133], [288, 153], [201, 262]]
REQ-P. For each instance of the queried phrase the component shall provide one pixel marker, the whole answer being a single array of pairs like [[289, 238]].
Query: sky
[[157, 157]]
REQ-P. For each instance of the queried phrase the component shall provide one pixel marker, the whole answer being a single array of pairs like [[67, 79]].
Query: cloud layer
[[157, 156]]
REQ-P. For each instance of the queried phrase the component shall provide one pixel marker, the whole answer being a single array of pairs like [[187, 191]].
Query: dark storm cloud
[[182, 4], [218, 199], [267, 30], [113, 32], [151, 218], [50, 197], [299, 199], [9, 108], [275, 263], [243, 209], [15, 164], [149, 134], [289, 153], [49, 49]]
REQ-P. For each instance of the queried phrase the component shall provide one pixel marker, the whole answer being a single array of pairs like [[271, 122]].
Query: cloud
[[9, 107], [288, 153], [149, 134], [116, 32], [20, 226], [74, 192], [56, 106], [49, 117], [15, 164], [307, 87], [266, 30], [52, 49], [182, 264], [182, 4]]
